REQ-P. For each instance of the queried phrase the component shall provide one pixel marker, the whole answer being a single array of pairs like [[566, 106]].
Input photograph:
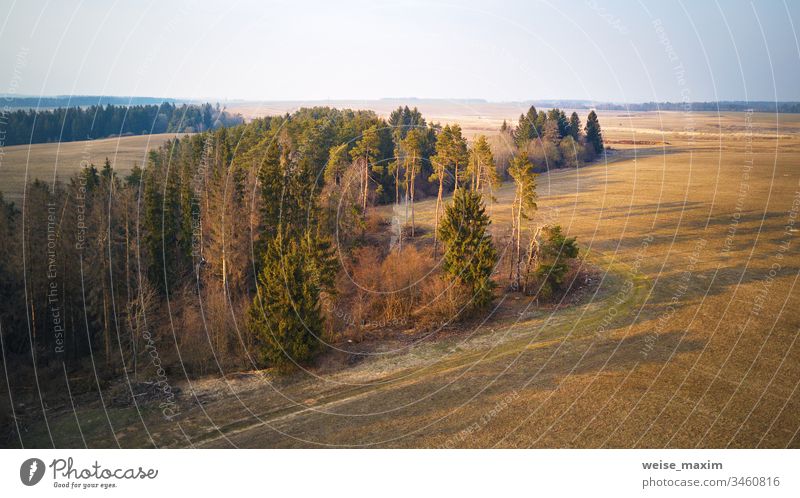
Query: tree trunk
[[366, 185], [407, 192], [128, 289], [413, 175], [519, 238], [513, 236], [436, 217], [224, 273], [106, 328], [532, 259]]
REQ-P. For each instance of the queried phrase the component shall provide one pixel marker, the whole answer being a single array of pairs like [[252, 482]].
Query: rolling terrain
[[61, 160], [688, 336]]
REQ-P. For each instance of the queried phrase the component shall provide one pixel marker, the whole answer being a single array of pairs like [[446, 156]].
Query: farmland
[[45, 162]]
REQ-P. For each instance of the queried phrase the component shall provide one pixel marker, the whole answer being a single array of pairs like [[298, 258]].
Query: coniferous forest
[[260, 244], [67, 124]]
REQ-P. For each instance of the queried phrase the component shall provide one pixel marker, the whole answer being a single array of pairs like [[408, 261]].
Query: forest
[[260, 245], [68, 124]]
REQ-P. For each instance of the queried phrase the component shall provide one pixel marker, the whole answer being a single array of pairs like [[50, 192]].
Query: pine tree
[[366, 151], [482, 167], [594, 136], [470, 256], [412, 146], [441, 162], [523, 206], [337, 164], [458, 153]]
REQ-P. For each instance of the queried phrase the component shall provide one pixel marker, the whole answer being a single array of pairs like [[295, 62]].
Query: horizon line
[[11, 97]]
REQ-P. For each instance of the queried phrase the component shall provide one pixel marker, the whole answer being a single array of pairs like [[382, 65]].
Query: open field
[[622, 130], [61, 160], [486, 118], [690, 338]]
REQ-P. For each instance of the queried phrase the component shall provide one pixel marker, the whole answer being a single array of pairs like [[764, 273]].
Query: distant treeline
[[67, 124], [729, 106], [16, 102], [722, 106]]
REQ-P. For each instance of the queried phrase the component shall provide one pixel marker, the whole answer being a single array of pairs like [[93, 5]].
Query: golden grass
[[689, 341], [61, 160]]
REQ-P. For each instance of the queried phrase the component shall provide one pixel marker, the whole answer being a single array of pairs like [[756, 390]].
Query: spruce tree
[[541, 119], [560, 118], [575, 126], [554, 255], [286, 315], [470, 256], [524, 132], [594, 136]]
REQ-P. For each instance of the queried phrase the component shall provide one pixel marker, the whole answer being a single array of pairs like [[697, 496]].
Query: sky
[[597, 50]]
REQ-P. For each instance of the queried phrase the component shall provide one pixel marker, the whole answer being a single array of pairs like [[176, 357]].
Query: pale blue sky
[[598, 50]]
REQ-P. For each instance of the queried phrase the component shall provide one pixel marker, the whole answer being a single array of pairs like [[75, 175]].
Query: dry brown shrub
[[442, 302], [375, 222], [544, 155], [402, 275], [378, 293]]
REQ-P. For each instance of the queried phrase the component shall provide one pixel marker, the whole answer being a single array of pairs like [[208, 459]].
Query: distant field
[[487, 117], [622, 130], [49, 161]]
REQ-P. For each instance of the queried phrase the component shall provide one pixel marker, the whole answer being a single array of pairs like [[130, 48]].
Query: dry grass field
[[690, 338], [61, 160]]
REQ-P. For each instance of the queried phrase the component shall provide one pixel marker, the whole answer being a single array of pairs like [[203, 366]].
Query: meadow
[[46, 162]]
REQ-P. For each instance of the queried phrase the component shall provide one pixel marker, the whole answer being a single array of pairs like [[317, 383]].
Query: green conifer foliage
[[286, 314], [594, 136], [470, 256]]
